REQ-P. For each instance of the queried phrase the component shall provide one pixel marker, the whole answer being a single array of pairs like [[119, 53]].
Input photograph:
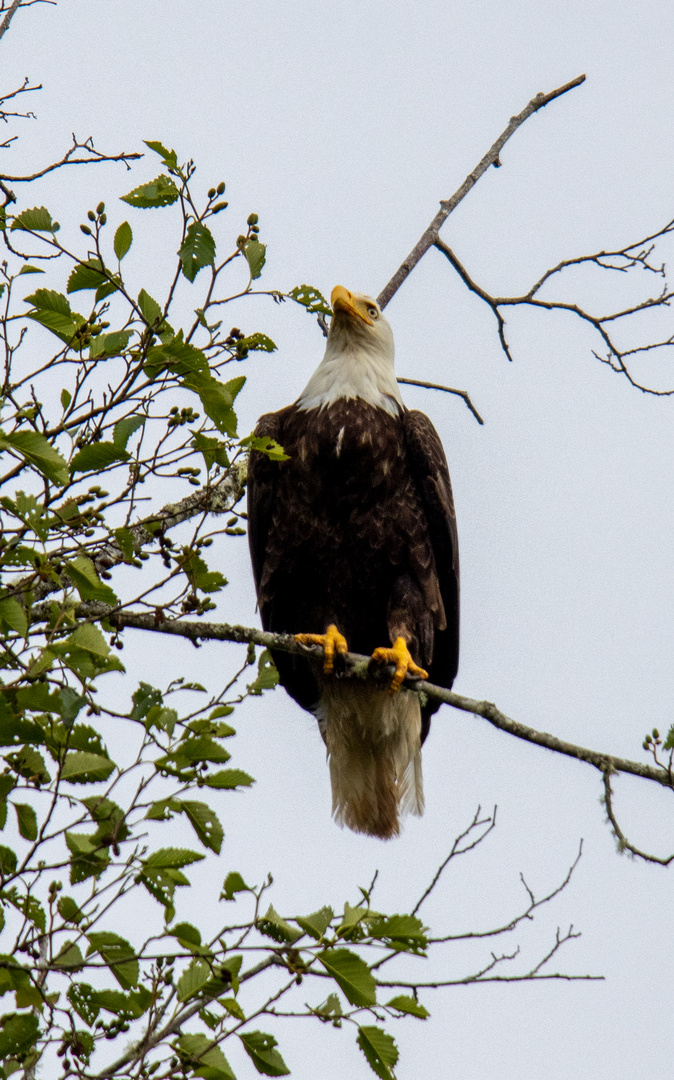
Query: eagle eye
[[373, 313]]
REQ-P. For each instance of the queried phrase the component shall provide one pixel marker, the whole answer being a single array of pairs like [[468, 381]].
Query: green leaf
[[13, 616], [112, 828], [352, 921], [311, 299], [35, 449], [197, 250], [123, 240], [406, 1004], [351, 974], [124, 538], [233, 883], [118, 954], [233, 1008], [159, 192], [28, 905], [8, 861], [69, 957], [255, 253], [68, 910], [29, 763], [84, 768], [36, 220], [27, 269], [265, 445], [89, 637], [129, 1006], [66, 398], [228, 779], [26, 820], [172, 858], [49, 299], [404, 932], [273, 926], [81, 997], [149, 309], [380, 1050], [330, 1009], [98, 456], [260, 1048], [254, 343], [18, 1034], [205, 823], [168, 156], [201, 577], [200, 748], [87, 275], [113, 344], [82, 573], [234, 386], [52, 310], [83, 736], [88, 858], [187, 935], [193, 979], [267, 675], [203, 1058], [231, 967], [125, 428], [315, 925], [215, 399], [214, 451]]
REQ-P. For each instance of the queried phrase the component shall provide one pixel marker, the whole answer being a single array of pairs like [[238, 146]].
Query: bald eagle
[[354, 546]]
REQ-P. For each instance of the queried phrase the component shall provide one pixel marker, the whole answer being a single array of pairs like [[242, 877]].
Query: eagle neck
[[349, 370]]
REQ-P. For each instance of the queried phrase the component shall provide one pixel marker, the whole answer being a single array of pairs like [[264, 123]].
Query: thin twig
[[623, 843], [448, 390], [492, 157]]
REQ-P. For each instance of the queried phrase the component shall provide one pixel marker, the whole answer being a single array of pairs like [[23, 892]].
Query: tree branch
[[492, 157], [625, 259], [448, 390], [218, 499], [623, 843], [359, 667]]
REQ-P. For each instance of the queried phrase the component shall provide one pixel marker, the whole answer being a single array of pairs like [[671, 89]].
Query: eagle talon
[[332, 642], [399, 655]]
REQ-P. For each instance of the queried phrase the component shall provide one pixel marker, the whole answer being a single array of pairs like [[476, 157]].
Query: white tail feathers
[[373, 741]]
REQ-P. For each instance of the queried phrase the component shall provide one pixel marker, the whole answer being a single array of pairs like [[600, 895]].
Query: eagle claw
[[399, 655], [332, 642]]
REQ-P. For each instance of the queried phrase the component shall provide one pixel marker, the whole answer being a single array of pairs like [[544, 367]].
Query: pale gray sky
[[342, 126]]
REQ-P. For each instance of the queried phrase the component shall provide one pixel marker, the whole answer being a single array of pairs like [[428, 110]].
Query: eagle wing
[[295, 673], [262, 478], [431, 476]]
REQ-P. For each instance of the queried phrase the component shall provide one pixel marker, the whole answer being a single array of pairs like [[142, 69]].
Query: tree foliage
[[108, 405]]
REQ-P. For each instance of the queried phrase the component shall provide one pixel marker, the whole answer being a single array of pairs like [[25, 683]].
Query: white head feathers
[[359, 357]]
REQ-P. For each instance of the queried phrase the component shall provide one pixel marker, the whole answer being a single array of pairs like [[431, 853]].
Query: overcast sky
[[342, 126]]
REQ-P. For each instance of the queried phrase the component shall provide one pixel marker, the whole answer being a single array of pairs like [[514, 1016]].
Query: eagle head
[[359, 357], [358, 323]]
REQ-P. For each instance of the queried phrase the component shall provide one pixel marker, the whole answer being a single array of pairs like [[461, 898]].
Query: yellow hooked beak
[[342, 300]]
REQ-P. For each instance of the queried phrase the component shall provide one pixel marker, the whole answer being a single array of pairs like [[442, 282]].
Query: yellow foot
[[332, 642], [399, 655]]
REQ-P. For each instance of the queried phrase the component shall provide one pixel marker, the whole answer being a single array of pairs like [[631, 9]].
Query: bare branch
[[448, 390], [492, 157], [69, 158], [623, 843], [11, 12], [616, 357], [458, 849]]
